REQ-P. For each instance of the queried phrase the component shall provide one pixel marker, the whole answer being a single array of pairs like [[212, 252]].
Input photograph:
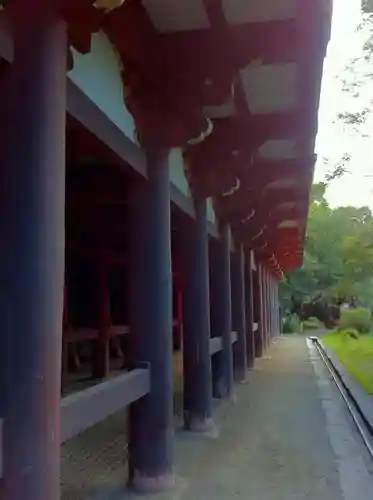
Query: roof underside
[[236, 83]]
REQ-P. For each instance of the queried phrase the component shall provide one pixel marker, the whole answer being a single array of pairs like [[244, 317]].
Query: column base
[[220, 391], [259, 352], [146, 485], [250, 364], [240, 377], [204, 426]]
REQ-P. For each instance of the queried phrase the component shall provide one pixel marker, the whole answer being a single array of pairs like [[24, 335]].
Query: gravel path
[[273, 443], [286, 437]]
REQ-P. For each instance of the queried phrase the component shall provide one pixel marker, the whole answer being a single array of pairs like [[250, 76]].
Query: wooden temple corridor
[[287, 436], [151, 203]]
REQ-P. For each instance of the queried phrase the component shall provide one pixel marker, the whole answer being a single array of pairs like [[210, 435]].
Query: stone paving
[[286, 437]]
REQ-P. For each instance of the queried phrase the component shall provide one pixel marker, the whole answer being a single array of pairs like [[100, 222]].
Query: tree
[[356, 76], [338, 253]]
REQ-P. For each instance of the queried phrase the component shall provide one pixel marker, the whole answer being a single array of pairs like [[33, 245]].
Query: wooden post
[[32, 208], [273, 280], [269, 294], [221, 316], [278, 309], [249, 299], [239, 313], [196, 339], [266, 307], [179, 327], [101, 347], [259, 312], [151, 454], [65, 351]]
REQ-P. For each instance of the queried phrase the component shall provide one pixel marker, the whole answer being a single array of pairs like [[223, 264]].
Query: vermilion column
[[221, 315], [196, 338], [277, 307], [249, 299], [151, 418], [260, 310], [270, 306], [274, 326], [239, 313], [101, 348], [32, 265], [264, 307], [267, 307]]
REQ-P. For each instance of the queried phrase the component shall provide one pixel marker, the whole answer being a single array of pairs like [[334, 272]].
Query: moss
[[356, 354]]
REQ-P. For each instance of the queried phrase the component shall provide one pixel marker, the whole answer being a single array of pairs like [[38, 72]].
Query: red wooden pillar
[[263, 311], [196, 341], [239, 312], [32, 208], [258, 311], [65, 326], [179, 312], [221, 315], [151, 442], [101, 350], [265, 306]]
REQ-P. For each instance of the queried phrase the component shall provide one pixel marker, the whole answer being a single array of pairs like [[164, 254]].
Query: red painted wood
[[166, 89], [101, 358]]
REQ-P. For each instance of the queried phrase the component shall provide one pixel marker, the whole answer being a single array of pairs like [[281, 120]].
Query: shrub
[[292, 324], [312, 324], [349, 333], [358, 319]]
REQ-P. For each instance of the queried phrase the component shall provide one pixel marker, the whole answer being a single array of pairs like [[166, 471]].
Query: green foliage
[[292, 324], [358, 319], [313, 324], [338, 251], [338, 254]]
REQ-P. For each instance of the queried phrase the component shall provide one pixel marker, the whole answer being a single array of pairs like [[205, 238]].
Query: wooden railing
[[86, 408], [216, 344], [83, 409]]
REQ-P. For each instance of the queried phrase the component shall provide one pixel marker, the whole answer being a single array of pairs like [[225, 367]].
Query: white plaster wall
[[98, 75]]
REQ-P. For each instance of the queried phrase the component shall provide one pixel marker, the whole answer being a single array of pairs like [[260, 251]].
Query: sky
[[345, 68]]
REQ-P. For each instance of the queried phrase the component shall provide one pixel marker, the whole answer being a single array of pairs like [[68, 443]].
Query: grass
[[355, 354]]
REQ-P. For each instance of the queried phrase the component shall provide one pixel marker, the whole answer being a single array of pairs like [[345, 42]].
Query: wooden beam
[[215, 345], [84, 409]]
